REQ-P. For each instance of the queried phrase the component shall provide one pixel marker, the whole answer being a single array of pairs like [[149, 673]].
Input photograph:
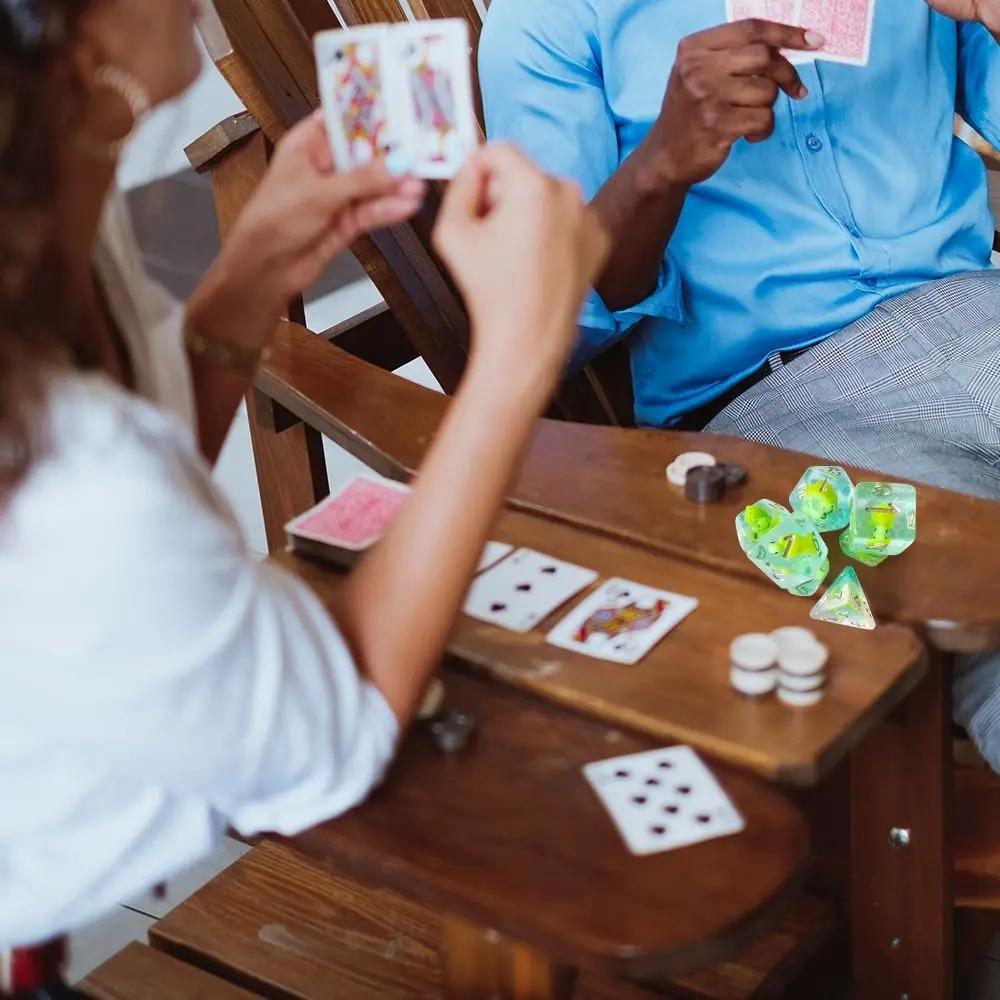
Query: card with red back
[[845, 24], [355, 517], [742, 10]]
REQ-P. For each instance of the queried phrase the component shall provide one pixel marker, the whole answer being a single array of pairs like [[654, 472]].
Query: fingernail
[[397, 163], [815, 39], [802, 92]]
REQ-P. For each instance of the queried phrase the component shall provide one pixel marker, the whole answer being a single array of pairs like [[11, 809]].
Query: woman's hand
[[524, 249]]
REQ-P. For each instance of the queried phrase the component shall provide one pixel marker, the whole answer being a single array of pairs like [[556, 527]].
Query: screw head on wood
[[896, 943], [453, 730], [899, 837]]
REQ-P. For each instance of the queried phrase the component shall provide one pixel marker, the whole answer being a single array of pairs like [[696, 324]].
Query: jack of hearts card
[[621, 621], [434, 94]]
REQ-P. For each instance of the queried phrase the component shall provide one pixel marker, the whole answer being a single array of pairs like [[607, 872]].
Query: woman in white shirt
[[157, 682]]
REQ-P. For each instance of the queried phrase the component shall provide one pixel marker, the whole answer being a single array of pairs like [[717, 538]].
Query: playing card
[[435, 92], [781, 11], [355, 517], [355, 83], [525, 589], [845, 24], [742, 10], [492, 554], [663, 799], [621, 621]]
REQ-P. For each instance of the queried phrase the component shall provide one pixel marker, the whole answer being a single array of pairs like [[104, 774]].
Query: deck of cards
[[845, 24], [399, 90], [661, 800]]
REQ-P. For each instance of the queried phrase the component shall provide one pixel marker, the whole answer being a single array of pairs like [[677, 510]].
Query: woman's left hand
[[304, 213]]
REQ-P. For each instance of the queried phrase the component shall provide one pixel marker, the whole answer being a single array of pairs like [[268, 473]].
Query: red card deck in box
[[355, 518]]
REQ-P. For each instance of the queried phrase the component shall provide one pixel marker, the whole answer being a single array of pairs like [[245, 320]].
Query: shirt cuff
[[600, 327], [336, 788]]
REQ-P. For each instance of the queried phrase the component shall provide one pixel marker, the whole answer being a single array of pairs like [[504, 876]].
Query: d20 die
[[823, 497], [785, 549], [883, 520]]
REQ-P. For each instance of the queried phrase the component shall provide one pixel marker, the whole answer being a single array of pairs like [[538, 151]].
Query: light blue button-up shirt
[[861, 194]]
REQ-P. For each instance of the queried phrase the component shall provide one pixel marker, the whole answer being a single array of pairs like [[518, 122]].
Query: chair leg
[[481, 965], [902, 793], [291, 467]]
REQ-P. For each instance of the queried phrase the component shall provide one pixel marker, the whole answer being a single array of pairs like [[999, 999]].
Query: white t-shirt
[[157, 682]]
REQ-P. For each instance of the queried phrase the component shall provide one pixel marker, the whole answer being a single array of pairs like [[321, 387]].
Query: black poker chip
[[735, 475], [705, 484]]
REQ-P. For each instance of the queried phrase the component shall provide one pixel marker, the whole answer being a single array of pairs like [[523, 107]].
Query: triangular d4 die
[[845, 603]]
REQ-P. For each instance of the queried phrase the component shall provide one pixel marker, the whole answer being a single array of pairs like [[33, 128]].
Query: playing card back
[[621, 621], [661, 800], [845, 24]]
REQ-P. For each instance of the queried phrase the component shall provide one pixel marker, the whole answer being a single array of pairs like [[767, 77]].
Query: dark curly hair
[[39, 99]]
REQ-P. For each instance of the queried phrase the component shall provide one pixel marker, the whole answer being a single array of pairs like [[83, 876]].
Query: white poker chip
[[799, 699], [692, 459], [433, 699], [753, 683], [793, 682], [753, 651], [676, 474], [803, 661], [793, 637]]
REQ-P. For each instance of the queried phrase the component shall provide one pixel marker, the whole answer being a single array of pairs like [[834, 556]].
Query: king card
[[621, 621], [661, 800]]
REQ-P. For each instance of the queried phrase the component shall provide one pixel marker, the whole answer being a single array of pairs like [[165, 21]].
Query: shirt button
[[814, 142]]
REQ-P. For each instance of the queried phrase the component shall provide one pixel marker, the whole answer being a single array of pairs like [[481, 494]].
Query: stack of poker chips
[[802, 660], [790, 661], [703, 479]]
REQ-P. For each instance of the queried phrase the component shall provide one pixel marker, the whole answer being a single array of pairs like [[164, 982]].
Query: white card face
[[661, 800], [524, 590], [356, 88], [621, 621], [492, 554], [433, 95]]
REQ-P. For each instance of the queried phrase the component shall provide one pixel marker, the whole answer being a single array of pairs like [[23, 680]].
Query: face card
[[845, 24], [355, 87], [434, 88], [354, 518], [525, 589], [492, 554], [621, 621], [663, 799]]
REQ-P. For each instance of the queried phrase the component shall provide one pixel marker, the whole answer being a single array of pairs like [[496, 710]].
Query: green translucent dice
[[823, 497], [883, 522], [786, 549]]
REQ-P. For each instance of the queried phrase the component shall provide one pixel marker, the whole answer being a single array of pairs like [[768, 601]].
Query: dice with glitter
[[823, 497], [883, 522], [787, 550]]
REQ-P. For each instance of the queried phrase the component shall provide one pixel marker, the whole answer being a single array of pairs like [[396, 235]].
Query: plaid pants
[[911, 390]]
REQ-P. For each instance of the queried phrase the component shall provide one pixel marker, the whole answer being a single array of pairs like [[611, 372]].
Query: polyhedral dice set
[[877, 520]]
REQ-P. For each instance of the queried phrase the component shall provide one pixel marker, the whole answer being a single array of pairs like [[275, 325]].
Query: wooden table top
[[680, 691], [452, 832], [611, 480]]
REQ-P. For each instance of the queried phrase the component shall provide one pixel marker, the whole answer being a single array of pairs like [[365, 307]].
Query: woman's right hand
[[523, 249]]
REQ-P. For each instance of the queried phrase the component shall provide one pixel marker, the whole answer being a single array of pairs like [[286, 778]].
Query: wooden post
[[902, 897], [481, 965]]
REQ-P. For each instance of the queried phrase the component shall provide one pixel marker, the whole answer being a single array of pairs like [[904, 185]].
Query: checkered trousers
[[911, 390]]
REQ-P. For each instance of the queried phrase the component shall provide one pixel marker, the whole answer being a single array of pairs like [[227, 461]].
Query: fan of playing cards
[[399, 90], [845, 24]]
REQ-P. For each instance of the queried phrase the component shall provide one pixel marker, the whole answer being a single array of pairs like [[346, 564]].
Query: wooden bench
[[141, 973]]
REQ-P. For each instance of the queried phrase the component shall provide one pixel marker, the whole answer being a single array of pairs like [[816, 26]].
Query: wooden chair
[[264, 50]]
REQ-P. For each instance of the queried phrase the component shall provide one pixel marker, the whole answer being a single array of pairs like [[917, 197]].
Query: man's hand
[[723, 87], [985, 11]]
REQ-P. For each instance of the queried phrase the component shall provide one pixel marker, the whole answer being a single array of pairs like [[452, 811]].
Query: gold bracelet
[[222, 353]]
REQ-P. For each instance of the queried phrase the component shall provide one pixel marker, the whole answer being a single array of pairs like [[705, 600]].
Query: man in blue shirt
[[801, 252]]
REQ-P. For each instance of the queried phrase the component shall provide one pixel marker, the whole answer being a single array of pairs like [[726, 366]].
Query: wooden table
[[599, 495]]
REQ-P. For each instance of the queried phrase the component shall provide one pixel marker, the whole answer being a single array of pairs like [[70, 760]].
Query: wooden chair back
[[264, 49]]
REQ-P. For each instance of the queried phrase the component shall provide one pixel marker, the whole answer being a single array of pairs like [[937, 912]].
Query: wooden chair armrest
[[221, 139]]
